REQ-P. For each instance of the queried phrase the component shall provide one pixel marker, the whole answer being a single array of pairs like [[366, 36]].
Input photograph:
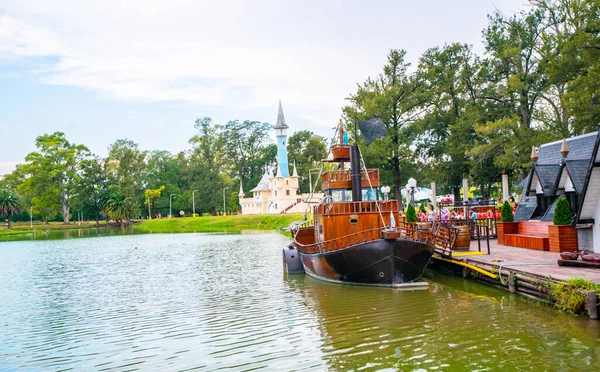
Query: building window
[[275, 192], [287, 182], [275, 206], [287, 192]]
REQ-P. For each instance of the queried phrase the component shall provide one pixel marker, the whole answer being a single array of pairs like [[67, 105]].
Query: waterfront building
[[277, 193], [569, 168]]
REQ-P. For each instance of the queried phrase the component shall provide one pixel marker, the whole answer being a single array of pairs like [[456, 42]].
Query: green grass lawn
[[217, 223]]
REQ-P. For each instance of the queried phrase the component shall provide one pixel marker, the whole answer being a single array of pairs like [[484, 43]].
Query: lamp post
[[412, 183], [194, 203], [310, 179], [31, 217], [149, 213], [170, 203], [224, 213], [385, 190]]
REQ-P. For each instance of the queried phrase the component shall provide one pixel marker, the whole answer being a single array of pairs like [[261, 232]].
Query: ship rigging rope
[[362, 160]]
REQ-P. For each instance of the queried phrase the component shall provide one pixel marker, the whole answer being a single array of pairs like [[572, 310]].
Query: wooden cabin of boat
[[350, 207]]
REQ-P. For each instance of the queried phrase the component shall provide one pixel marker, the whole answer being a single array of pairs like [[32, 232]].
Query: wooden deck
[[540, 263]]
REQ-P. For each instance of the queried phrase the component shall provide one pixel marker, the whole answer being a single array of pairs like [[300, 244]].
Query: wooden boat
[[354, 238]]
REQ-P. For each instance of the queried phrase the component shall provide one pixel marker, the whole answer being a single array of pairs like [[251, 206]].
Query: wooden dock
[[535, 262]]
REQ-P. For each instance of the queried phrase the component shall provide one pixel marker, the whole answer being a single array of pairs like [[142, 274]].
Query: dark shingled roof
[[524, 182], [547, 174], [580, 147], [578, 169], [549, 216]]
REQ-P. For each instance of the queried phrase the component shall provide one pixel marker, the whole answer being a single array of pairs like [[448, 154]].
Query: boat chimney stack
[[355, 172]]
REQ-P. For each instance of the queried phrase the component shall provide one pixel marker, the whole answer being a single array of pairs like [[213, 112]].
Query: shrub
[[506, 214], [570, 297], [562, 213], [422, 207], [411, 215]]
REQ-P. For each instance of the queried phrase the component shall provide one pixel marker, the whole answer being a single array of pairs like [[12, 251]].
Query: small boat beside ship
[[356, 238]]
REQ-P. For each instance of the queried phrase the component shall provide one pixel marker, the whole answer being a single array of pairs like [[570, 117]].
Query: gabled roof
[[580, 148], [280, 119], [547, 174], [577, 171]]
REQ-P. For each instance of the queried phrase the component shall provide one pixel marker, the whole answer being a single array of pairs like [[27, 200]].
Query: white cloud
[[228, 54]]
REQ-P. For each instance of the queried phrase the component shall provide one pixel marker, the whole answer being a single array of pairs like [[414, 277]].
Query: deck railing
[[385, 206], [440, 236], [342, 178]]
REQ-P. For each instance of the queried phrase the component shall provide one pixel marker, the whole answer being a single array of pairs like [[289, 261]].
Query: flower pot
[[563, 238], [506, 228]]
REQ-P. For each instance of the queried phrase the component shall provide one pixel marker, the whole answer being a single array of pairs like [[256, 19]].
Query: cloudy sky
[[144, 70]]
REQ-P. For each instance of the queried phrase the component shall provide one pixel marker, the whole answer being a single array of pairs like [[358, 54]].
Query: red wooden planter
[[563, 238], [506, 228]]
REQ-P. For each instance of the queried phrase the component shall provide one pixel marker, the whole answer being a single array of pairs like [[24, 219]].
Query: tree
[[117, 206], [126, 163], [306, 150], [92, 187], [10, 204], [243, 146], [206, 169], [151, 196], [398, 100], [51, 174], [446, 131]]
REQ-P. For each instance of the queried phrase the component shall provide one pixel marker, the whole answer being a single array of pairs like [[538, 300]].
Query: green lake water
[[221, 302]]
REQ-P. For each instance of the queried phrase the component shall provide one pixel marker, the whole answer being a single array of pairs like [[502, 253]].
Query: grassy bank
[[25, 228], [217, 223]]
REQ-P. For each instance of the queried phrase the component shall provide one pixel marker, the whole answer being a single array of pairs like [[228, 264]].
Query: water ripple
[[220, 302]]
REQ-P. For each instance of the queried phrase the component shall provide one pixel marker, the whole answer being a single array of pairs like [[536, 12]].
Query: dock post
[[591, 305], [512, 282]]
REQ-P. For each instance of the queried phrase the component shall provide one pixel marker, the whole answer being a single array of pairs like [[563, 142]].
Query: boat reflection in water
[[455, 325]]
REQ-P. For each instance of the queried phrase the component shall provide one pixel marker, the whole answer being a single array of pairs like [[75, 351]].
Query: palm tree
[[10, 203], [115, 206]]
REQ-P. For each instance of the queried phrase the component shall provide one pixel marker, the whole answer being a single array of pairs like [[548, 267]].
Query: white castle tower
[[275, 193]]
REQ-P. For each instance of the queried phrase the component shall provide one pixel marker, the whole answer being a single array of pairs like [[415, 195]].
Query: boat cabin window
[[344, 195], [369, 194], [340, 195]]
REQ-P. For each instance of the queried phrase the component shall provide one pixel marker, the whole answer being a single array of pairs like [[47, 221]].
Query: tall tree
[[206, 167], [126, 163], [243, 146], [52, 173], [397, 98], [92, 187]]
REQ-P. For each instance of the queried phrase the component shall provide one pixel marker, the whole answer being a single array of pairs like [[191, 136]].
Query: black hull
[[379, 262]]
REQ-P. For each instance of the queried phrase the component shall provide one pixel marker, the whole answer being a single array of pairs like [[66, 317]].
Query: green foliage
[[422, 207], [10, 203], [562, 212], [51, 174], [570, 296], [307, 150], [411, 215], [398, 99], [506, 214]]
